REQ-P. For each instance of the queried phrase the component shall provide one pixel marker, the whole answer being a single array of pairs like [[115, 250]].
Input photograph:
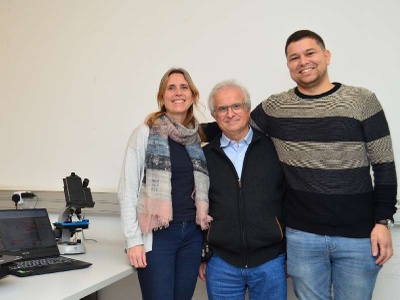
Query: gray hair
[[225, 84]]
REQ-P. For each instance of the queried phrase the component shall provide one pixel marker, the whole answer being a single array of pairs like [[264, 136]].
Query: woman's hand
[[137, 256], [202, 271]]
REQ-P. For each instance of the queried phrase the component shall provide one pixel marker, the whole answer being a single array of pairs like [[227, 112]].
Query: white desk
[[109, 265]]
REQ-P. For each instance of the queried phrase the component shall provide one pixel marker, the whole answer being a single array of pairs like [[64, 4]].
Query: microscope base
[[71, 248]]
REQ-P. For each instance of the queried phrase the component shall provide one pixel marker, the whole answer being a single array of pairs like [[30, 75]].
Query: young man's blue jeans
[[266, 282], [321, 266], [173, 264]]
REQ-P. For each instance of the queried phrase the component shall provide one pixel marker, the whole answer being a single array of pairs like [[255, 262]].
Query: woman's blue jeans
[[173, 264], [266, 282], [321, 266]]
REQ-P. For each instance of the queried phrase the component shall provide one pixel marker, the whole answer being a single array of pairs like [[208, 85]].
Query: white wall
[[77, 76]]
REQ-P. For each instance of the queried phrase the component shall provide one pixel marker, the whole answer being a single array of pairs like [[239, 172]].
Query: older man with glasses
[[246, 202]]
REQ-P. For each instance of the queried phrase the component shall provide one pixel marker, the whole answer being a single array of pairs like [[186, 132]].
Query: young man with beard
[[328, 136]]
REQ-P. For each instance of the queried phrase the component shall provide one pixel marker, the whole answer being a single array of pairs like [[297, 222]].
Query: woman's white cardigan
[[129, 186]]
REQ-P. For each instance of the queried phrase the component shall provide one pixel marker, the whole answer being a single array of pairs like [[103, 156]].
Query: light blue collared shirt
[[236, 151]]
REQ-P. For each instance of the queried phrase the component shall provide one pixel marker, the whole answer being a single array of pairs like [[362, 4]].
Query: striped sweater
[[327, 145]]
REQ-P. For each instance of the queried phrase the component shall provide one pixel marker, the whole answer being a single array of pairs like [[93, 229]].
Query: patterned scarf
[[155, 203]]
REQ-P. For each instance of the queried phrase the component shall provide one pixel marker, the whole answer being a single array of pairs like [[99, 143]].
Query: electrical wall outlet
[[19, 196]]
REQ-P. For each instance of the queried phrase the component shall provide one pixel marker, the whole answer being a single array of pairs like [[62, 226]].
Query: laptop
[[28, 235]]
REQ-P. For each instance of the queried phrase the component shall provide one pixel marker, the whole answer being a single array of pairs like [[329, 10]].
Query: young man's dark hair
[[301, 34]]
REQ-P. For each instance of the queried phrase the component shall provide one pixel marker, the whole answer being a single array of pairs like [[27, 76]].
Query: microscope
[[71, 221]]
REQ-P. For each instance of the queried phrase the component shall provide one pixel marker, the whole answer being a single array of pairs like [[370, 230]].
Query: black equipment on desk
[[77, 196], [28, 234], [77, 193]]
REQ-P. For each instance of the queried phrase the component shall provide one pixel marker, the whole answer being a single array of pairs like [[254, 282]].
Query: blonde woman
[[163, 193]]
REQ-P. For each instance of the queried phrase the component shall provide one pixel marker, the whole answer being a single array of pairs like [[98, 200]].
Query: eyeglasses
[[236, 108]]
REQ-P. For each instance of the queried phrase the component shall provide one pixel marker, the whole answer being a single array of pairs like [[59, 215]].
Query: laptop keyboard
[[33, 263]]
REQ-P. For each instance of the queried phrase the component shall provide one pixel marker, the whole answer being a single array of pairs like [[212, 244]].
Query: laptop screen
[[27, 233]]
